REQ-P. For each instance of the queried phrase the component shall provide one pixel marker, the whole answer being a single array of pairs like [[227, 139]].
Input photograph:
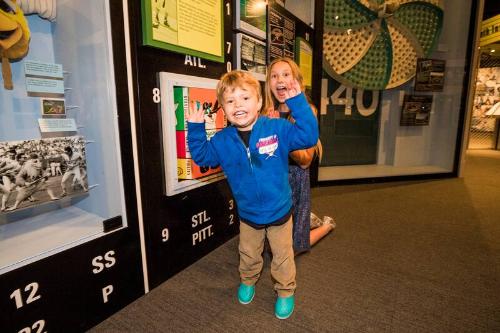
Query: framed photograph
[[185, 26], [251, 56], [430, 74], [35, 172], [181, 173], [416, 110], [251, 17], [53, 107]]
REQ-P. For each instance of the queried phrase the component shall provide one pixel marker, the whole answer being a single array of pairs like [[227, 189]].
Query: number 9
[[165, 234]]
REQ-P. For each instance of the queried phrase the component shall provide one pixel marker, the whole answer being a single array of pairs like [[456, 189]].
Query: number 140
[[348, 101]]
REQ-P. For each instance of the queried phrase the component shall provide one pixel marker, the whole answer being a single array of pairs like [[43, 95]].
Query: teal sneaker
[[245, 293], [284, 307]]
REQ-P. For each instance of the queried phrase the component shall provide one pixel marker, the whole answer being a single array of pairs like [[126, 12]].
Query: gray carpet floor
[[419, 256]]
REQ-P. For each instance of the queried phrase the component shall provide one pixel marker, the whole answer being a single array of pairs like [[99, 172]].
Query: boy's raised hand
[[196, 115]]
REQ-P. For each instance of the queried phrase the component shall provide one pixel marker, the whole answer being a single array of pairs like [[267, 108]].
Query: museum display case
[[68, 223], [394, 87], [75, 184]]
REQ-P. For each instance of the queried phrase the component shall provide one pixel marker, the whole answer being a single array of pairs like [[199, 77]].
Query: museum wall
[[139, 210], [188, 215]]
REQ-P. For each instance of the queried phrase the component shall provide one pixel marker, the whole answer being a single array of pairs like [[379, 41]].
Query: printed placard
[[43, 69], [281, 35], [48, 125], [36, 85], [185, 26]]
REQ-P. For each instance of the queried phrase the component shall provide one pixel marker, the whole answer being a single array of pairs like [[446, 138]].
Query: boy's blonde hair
[[271, 103], [236, 79]]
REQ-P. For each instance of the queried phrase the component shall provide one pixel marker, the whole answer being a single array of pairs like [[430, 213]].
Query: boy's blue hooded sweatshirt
[[258, 175]]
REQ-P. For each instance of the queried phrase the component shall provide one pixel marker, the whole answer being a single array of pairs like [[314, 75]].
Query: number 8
[[156, 95]]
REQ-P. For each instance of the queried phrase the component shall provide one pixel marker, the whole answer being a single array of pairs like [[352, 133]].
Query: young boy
[[253, 153]]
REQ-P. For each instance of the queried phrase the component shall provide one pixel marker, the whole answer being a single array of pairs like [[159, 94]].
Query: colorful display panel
[[177, 93]]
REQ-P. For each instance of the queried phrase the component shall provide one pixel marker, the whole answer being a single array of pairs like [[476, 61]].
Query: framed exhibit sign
[[177, 91], [304, 58], [430, 75], [185, 26], [251, 56], [416, 110], [251, 17], [281, 35]]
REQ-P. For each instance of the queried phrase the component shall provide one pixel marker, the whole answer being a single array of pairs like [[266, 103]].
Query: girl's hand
[[196, 116], [272, 113], [293, 89]]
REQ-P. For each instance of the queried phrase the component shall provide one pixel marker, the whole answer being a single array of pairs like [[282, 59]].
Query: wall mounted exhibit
[[251, 17], [184, 26], [251, 56], [177, 91]]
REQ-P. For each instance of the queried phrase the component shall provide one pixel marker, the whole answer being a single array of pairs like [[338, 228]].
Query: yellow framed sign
[[185, 26]]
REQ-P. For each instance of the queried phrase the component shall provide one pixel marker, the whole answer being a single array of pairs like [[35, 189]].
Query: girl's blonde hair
[[271, 103], [237, 79]]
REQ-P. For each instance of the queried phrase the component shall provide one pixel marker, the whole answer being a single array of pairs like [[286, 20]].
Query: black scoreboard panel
[[74, 289], [181, 228]]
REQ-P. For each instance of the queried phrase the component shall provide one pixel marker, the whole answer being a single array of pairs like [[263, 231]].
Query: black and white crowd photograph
[[33, 172]]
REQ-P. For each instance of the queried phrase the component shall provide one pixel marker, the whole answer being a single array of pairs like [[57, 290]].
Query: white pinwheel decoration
[[374, 44]]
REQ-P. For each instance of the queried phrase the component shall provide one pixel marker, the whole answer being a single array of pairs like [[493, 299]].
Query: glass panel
[[374, 104], [71, 133]]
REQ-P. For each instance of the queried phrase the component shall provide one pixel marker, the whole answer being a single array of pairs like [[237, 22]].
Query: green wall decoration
[[374, 44]]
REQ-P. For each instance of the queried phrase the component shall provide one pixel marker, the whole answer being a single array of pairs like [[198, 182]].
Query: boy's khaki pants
[[283, 263]]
